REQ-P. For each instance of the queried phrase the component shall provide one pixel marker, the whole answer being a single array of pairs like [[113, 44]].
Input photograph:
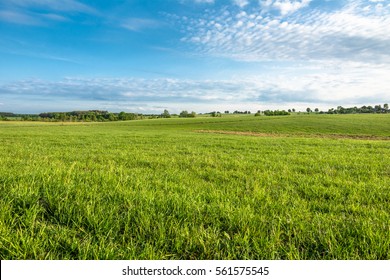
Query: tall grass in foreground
[[159, 190]]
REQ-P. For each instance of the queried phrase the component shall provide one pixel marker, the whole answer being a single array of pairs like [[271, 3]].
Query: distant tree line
[[236, 112], [4, 116], [185, 114], [377, 109], [274, 113], [104, 116], [74, 116], [241, 112], [88, 116]]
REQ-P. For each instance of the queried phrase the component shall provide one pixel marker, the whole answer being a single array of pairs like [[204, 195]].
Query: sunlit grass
[[157, 189]]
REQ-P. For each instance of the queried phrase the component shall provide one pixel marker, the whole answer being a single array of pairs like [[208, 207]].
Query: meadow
[[235, 187]]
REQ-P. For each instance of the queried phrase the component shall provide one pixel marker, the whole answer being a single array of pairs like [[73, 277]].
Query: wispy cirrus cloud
[[29, 18], [58, 5], [40, 12], [204, 1], [19, 18], [40, 55], [138, 24], [356, 32]]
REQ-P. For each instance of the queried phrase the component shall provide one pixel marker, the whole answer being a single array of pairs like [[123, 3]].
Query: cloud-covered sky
[[204, 55]]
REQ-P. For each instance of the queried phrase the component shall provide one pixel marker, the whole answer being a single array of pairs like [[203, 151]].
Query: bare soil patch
[[283, 135]]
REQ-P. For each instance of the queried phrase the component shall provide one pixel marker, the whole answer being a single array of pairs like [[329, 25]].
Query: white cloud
[[241, 3], [286, 6], [266, 3], [350, 33], [347, 84]]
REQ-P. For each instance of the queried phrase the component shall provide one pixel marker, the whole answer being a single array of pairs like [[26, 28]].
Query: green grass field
[[236, 187]]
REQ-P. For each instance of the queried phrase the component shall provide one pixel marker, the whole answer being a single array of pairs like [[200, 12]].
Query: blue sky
[[203, 55]]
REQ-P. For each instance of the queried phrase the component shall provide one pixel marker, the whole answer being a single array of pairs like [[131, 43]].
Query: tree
[[316, 110], [111, 117], [386, 107], [183, 114], [276, 113], [165, 114], [308, 110], [122, 116]]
